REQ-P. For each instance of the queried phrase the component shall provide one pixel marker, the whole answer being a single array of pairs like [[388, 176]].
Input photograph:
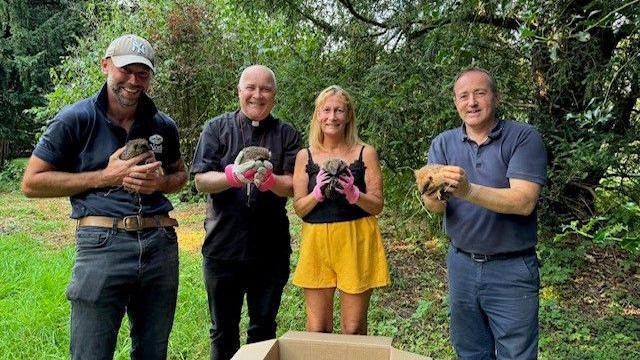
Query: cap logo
[[138, 47], [129, 49]]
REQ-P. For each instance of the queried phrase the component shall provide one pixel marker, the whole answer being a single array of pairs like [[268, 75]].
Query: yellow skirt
[[348, 255]]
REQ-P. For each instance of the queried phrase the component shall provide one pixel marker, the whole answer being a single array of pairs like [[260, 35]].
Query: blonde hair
[[316, 137]]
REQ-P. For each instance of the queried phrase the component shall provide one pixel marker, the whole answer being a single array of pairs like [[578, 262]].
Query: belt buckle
[[479, 258], [132, 222]]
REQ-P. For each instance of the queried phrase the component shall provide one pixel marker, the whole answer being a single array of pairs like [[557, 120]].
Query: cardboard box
[[299, 345]]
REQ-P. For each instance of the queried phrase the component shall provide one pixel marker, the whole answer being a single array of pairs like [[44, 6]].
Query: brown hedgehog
[[134, 148], [334, 169], [255, 153], [430, 180]]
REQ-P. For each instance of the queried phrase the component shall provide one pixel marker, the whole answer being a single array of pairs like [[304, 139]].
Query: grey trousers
[[119, 271]]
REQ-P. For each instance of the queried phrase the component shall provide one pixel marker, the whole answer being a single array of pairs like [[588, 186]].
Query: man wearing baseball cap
[[127, 250]]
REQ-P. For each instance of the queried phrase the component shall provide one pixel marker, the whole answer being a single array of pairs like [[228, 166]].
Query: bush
[[620, 227], [11, 175]]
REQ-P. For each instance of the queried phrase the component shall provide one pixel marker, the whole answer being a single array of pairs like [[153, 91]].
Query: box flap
[[267, 350], [404, 355], [338, 338], [319, 346]]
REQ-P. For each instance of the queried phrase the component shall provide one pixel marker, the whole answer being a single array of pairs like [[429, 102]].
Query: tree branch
[[501, 22], [352, 11], [317, 22]]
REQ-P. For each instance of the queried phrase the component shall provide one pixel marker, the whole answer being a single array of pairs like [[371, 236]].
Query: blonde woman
[[341, 243]]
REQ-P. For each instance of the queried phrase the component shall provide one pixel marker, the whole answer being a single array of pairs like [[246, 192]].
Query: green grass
[[577, 322], [32, 300]]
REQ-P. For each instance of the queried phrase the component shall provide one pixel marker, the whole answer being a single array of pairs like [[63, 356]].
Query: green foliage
[[568, 336], [11, 175], [618, 227], [201, 46], [560, 260], [571, 70], [399, 61], [33, 37], [79, 75], [406, 217], [188, 194]]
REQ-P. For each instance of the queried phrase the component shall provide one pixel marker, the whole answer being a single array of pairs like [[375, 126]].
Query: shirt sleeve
[[173, 142], [436, 154], [207, 155], [291, 147], [529, 159], [57, 143]]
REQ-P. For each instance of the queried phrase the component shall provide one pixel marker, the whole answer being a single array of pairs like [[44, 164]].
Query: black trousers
[[227, 282]]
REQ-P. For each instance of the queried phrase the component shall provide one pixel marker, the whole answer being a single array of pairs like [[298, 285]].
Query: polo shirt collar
[[262, 124], [495, 133]]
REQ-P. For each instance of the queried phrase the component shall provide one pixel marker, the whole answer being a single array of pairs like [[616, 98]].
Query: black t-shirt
[[80, 138], [241, 227]]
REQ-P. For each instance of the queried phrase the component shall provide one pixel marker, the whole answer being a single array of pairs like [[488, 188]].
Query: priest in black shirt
[[247, 242]]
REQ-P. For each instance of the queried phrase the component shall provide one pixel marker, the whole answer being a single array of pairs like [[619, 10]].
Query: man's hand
[[117, 170], [144, 179], [238, 174], [458, 183], [431, 182], [264, 179]]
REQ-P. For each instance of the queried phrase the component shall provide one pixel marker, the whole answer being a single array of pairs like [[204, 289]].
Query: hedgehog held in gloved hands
[[255, 153], [334, 169], [261, 171]]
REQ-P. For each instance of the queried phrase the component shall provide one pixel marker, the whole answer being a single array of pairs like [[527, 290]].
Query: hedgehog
[[258, 154], [334, 169], [255, 153], [430, 180], [134, 148]]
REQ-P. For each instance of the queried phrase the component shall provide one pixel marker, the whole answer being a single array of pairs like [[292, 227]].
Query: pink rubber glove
[[349, 190], [321, 179], [264, 178], [238, 174]]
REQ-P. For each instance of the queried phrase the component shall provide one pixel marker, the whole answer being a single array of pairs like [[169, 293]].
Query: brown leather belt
[[128, 223]]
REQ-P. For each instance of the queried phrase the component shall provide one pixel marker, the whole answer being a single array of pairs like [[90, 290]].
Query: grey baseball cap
[[130, 49]]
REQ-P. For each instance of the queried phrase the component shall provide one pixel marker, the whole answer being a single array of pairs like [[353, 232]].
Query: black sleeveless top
[[339, 209]]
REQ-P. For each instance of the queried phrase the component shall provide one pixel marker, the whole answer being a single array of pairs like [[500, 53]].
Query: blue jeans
[[227, 282], [117, 271], [494, 306]]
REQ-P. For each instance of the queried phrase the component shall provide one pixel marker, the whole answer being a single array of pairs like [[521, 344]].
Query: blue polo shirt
[[513, 150], [80, 138], [243, 226]]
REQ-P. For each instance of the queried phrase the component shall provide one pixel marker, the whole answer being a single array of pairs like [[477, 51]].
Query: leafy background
[[569, 68]]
